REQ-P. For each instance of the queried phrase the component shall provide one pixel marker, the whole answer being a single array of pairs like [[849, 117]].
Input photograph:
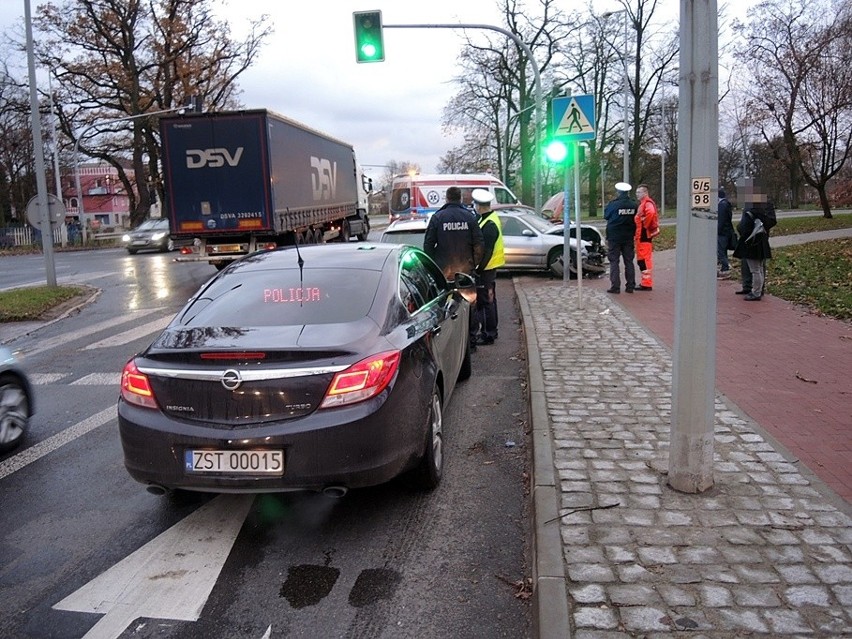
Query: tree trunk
[[823, 202]]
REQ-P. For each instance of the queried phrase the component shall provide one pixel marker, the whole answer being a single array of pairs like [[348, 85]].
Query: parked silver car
[[530, 242], [16, 400]]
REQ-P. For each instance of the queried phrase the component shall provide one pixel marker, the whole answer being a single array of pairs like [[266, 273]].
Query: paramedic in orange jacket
[[647, 226]]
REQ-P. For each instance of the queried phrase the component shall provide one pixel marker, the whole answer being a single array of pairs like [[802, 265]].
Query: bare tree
[[510, 101], [17, 173], [117, 59], [800, 54]]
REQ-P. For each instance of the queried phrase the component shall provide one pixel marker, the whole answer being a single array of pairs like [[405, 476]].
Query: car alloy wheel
[[428, 473], [14, 411]]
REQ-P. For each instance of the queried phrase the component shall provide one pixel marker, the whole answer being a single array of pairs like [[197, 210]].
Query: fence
[[13, 236]]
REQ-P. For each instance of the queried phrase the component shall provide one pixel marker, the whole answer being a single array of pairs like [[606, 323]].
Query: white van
[[421, 195]]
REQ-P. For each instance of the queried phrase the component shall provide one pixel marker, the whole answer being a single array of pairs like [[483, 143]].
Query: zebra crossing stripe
[[131, 335], [34, 453]]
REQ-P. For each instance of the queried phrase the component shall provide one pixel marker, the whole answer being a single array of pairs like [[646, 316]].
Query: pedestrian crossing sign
[[574, 118]]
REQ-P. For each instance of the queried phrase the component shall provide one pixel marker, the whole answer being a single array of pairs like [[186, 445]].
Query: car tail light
[[135, 388], [363, 380]]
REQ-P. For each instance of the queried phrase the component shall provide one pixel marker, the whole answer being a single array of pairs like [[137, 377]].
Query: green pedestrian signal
[[556, 151], [369, 43]]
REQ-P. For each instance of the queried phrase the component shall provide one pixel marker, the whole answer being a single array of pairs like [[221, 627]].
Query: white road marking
[[34, 453], [43, 379], [133, 334], [47, 344], [170, 577], [98, 379]]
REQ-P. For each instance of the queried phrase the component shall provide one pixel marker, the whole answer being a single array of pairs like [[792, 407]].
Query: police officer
[[453, 238], [620, 215], [486, 272]]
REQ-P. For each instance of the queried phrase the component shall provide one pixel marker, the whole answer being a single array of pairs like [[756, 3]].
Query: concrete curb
[[550, 592]]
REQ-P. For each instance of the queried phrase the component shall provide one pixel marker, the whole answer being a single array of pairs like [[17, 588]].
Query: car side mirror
[[466, 286], [527, 233]]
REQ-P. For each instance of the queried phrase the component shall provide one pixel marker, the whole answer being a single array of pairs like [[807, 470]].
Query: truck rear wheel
[[362, 236], [345, 231]]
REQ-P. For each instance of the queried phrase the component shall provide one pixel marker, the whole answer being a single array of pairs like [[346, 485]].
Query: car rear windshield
[[413, 238], [284, 298]]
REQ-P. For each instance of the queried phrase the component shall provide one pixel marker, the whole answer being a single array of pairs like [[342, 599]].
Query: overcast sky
[[307, 71]]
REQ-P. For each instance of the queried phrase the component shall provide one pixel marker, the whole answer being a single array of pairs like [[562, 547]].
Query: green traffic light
[[556, 151], [369, 43]]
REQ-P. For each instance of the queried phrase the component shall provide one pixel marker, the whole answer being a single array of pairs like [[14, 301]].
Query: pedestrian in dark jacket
[[620, 215], [753, 244], [725, 236], [453, 237]]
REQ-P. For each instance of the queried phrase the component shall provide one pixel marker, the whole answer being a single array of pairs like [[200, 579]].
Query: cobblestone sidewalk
[[761, 553]]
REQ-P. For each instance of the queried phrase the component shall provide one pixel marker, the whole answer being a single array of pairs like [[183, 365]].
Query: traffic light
[[556, 151], [369, 45]]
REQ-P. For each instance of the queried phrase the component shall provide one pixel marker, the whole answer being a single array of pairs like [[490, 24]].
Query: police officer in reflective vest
[[486, 272], [620, 215], [453, 238]]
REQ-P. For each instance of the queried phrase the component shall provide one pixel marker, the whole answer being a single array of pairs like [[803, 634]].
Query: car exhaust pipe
[[335, 492], [156, 489]]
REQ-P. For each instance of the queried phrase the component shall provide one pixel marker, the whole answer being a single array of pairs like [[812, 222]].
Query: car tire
[[132, 251], [14, 412], [465, 370], [428, 474], [554, 262], [168, 247]]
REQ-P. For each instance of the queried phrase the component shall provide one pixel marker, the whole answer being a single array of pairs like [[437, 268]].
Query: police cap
[[623, 187], [482, 196]]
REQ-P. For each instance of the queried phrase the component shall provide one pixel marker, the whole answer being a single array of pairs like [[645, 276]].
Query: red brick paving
[[803, 364]]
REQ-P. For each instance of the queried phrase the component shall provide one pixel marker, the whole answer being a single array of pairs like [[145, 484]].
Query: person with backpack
[[753, 244]]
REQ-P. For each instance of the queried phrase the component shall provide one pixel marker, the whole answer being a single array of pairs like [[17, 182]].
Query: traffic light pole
[[533, 63]]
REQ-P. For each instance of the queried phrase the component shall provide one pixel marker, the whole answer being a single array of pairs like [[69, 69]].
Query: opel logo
[[231, 379]]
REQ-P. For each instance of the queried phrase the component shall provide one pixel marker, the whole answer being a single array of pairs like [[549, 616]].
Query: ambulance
[[420, 195]]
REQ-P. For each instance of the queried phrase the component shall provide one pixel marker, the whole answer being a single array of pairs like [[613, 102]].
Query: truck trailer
[[240, 181]]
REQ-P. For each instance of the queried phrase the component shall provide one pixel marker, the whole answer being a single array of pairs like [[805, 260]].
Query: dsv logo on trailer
[[324, 180], [213, 158]]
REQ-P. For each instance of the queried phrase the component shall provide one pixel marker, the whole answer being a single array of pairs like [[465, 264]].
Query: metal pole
[[626, 113], [694, 371], [577, 233], [56, 180], [566, 221], [533, 63], [38, 148], [83, 133], [626, 142]]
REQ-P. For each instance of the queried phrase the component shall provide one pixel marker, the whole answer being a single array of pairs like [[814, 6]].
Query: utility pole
[[38, 148], [694, 373]]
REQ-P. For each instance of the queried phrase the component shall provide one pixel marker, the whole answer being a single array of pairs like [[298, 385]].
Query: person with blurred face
[[753, 244]]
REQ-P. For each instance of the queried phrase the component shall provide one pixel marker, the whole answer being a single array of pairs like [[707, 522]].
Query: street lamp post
[[83, 133], [626, 174]]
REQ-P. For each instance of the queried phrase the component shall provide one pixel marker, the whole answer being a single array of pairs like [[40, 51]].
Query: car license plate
[[242, 462]]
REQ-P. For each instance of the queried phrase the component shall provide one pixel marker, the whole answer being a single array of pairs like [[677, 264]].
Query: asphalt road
[[86, 551]]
